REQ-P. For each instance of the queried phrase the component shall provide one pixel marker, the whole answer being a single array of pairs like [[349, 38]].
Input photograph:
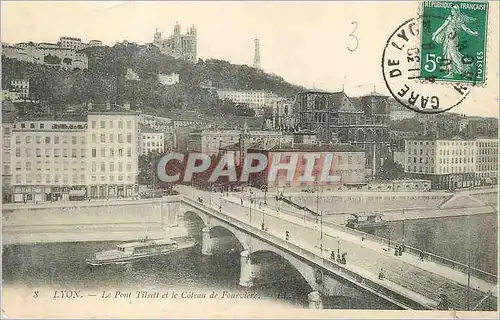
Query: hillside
[[105, 79]]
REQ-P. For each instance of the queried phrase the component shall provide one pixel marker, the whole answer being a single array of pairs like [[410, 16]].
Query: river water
[[61, 265], [449, 237]]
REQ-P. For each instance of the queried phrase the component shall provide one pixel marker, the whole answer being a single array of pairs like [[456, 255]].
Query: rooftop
[[299, 147], [232, 147], [147, 129], [111, 109]]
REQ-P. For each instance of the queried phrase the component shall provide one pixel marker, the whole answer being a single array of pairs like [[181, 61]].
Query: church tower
[[157, 37], [256, 58], [177, 45]]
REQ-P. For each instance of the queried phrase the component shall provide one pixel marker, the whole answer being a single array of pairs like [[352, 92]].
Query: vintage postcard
[[250, 159]]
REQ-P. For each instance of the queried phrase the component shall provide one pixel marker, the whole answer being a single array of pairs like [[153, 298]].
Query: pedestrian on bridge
[[332, 256], [287, 235], [343, 259], [381, 274], [421, 255]]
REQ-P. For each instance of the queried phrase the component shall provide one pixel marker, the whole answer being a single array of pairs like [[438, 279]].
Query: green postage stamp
[[453, 41]]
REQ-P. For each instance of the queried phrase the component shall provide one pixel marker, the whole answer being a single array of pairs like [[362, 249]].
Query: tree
[[148, 164], [391, 170], [105, 80]]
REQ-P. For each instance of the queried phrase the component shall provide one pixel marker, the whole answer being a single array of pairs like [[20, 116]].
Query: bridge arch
[[195, 215], [220, 229], [233, 240], [307, 272]]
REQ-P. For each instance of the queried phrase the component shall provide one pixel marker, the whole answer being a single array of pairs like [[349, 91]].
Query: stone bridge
[[268, 240]]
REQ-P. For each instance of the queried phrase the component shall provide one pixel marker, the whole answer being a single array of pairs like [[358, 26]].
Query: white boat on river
[[131, 251]]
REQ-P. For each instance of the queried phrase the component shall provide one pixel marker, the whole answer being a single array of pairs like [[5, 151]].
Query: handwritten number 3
[[355, 23]]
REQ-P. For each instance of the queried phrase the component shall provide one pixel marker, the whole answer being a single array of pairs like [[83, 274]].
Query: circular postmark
[[401, 62]]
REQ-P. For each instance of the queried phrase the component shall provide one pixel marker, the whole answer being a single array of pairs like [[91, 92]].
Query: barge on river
[[131, 251], [366, 221]]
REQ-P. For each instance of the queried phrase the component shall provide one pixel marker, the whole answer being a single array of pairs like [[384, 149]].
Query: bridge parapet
[[386, 290], [455, 265]]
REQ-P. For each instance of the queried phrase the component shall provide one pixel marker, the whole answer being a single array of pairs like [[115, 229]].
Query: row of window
[[420, 151], [111, 166], [111, 138], [148, 150], [111, 178], [486, 175], [456, 169], [458, 152], [154, 144], [48, 166], [492, 144], [421, 160], [487, 159], [487, 151], [421, 169], [455, 143], [455, 160], [157, 137], [111, 152], [102, 124], [75, 179], [30, 178], [49, 140], [48, 153], [487, 167]]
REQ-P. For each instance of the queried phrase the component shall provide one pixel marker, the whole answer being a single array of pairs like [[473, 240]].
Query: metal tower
[[256, 58]]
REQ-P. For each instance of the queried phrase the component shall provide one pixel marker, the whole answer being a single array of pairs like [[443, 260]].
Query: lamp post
[[265, 195], [468, 262], [317, 204], [338, 247], [192, 184], [321, 232], [389, 242], [403, 240], [250, 207]]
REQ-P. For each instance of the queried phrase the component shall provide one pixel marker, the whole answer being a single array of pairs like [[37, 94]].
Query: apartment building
[[112, 164], [452, 163], [487, 160], [48, 160], [252, 97], [151, 140]]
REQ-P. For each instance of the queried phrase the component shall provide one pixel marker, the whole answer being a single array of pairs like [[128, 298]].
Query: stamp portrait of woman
[[447, 35]]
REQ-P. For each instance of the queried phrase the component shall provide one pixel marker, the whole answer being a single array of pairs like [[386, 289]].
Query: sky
[[304, 42]]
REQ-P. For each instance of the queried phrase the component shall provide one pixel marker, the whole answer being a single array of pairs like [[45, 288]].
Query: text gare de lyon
[[314, 167], [401, 38]]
